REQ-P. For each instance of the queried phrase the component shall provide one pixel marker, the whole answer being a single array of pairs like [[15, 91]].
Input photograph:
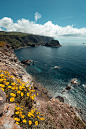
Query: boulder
[[68, 87], [2, 100], [26, 62], [61, 99]]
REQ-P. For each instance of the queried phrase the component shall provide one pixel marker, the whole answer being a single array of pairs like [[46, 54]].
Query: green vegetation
[[62, 125], [79, 124], [50, 110], [18, 39]]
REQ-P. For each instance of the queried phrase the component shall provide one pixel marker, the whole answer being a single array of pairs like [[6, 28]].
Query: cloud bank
[[47, 29]]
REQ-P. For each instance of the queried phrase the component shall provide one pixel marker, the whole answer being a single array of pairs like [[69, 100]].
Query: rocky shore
[[56, 113]]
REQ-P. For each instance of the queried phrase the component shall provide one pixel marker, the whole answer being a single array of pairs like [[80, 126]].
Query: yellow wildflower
[[16, 112], [22, 94], [16, 88], [30, 122], [32, 97], [36, 122], [17, 108], [32, 111], [22, 116], [17, 123], [37, 94], [13, 88], [12, 94], [13, 83], [9, 86], [28, 94], [2, 85], [17, 119], [1, 80], [7, 83], [29, 114], [24, 121], [18, 92], [20, 87], [42, 118], [2, 89], [38, 113], [12, 99]]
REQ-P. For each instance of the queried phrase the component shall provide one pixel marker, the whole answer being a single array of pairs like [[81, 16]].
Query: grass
[[62, 125], [79, 123], [50, 110]]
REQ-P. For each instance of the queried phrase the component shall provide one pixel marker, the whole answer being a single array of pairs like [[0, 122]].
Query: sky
[[64, 20]]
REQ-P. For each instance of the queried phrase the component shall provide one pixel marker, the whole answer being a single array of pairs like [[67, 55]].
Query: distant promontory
[[18, 39], [53, 43]]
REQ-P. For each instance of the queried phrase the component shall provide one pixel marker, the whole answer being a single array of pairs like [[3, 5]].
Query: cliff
[[53, 43], [57, 115], [17, 39]]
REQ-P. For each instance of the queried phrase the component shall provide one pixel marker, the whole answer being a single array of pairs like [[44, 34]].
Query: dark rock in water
[[61, 99], [26, 62], [68, 87], [33, 45]]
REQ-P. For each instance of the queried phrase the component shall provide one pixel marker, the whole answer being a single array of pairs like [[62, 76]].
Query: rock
[[61, 99], [26, 62], [74, 81], [56, 67], [2, 100], [63, 91], [6, 120], [68, 87], [1, 126]]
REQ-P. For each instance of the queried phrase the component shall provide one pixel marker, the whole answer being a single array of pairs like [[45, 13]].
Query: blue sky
[[64, 20]]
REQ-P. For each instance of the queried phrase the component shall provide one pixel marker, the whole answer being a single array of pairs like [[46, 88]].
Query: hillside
[[18, 39]]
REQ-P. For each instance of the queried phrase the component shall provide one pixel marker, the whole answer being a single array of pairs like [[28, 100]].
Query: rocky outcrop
[[53, 43], [61, 99], [67, 88], [2, 100]]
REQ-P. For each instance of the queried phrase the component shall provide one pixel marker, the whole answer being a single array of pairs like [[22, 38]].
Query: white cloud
[[48, 29], [37, 16]]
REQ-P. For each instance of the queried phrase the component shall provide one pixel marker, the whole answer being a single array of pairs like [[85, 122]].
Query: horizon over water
[[71, 60]]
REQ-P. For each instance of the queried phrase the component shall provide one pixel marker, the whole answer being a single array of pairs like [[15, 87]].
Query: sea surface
[[71, 61]]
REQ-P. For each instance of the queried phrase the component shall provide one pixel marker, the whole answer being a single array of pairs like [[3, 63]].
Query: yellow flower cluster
[[16, 91]]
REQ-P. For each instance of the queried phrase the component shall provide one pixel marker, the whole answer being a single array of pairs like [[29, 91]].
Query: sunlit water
[[71, 61]]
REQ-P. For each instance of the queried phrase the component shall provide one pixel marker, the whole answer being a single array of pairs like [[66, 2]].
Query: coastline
[[52, 96], [51, 107]]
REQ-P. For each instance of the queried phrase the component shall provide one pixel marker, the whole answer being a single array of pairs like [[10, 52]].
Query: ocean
[[71, 62]]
